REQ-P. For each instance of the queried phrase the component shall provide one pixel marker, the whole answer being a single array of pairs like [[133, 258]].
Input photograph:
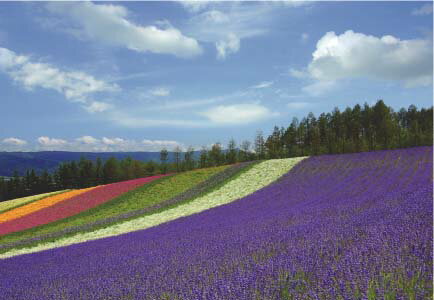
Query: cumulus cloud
[[14, 141], [112, 141], [298, 73], [263, 85], [320, 87], [109, 24], [89, 144], [87, 139], [160, 92], [45, 141], [226, 25], [194, 6], [160, 144], [74, 85], [237, 114], [97, 106], [227, 46], [424, 10], [358, 55]]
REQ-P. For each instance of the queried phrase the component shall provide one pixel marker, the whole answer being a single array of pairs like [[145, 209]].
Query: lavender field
[[352, 226]]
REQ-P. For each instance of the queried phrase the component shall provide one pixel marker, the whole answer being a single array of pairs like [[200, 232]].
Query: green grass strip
[[14, 203]]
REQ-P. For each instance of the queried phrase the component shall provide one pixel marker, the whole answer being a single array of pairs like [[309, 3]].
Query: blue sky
[[139, 76]]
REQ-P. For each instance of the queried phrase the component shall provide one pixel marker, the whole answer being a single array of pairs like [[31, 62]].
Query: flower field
[[83, 199], [38, 205], [10, 204], [157, 195], [353, 226], [263, 173]]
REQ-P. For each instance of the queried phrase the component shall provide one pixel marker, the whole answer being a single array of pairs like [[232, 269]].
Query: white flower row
[[252, 180]]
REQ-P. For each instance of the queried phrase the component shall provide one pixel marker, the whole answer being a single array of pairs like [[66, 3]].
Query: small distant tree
[[260, 145], [215, 155], [177, 158], [150, 168], [98, 171], [244, 153], [189, 159], [164, 155], [111, 170], [137, 169], [232, 152], [203, 158]]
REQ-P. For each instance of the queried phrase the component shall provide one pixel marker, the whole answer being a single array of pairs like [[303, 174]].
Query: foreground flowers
[[356, 226]]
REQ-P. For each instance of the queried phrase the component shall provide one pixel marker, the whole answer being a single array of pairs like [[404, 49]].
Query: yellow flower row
[[9, 204], [40, 204]]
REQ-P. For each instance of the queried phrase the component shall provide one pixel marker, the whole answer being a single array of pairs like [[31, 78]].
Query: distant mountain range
[[49, 160]]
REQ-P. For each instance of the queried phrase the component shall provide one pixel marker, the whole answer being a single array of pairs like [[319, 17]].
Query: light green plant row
[[8, 205], [252, 180]]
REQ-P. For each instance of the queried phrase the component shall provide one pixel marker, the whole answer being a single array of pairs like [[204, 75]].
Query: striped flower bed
[[10, 204], [38, 205], [257, 177], [75, 205], [165, 188]]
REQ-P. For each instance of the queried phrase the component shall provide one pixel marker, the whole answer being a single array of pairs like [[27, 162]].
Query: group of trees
[[355, 129], [73, 175]]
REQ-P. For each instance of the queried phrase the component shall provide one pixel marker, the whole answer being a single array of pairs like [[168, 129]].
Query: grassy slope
[[14, 203], [142, 197]]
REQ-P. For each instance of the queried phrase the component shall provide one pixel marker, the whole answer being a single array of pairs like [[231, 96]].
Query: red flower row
[[73, 205]]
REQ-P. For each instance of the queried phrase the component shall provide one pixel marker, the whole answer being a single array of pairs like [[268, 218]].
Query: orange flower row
[[40, 204]]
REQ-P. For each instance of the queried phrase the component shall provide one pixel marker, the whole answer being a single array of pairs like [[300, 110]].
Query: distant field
[[352, 226]]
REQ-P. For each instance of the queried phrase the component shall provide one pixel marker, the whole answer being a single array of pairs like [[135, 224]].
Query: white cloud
[[298, 105], [227, 46], [298, 73], [426, 9], [352, 55], [97, 106], [319, 88], [14, 141], [109, 24], [87, 139], [194, 6], [160, 92], [263, 84], [74, 85], [112, 141], [88, 144], [237, 114], [215, 16], [160, 144], [227, 24], [49, 142]]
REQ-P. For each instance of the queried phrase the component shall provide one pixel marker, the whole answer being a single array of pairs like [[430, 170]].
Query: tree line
[[356, 129]]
